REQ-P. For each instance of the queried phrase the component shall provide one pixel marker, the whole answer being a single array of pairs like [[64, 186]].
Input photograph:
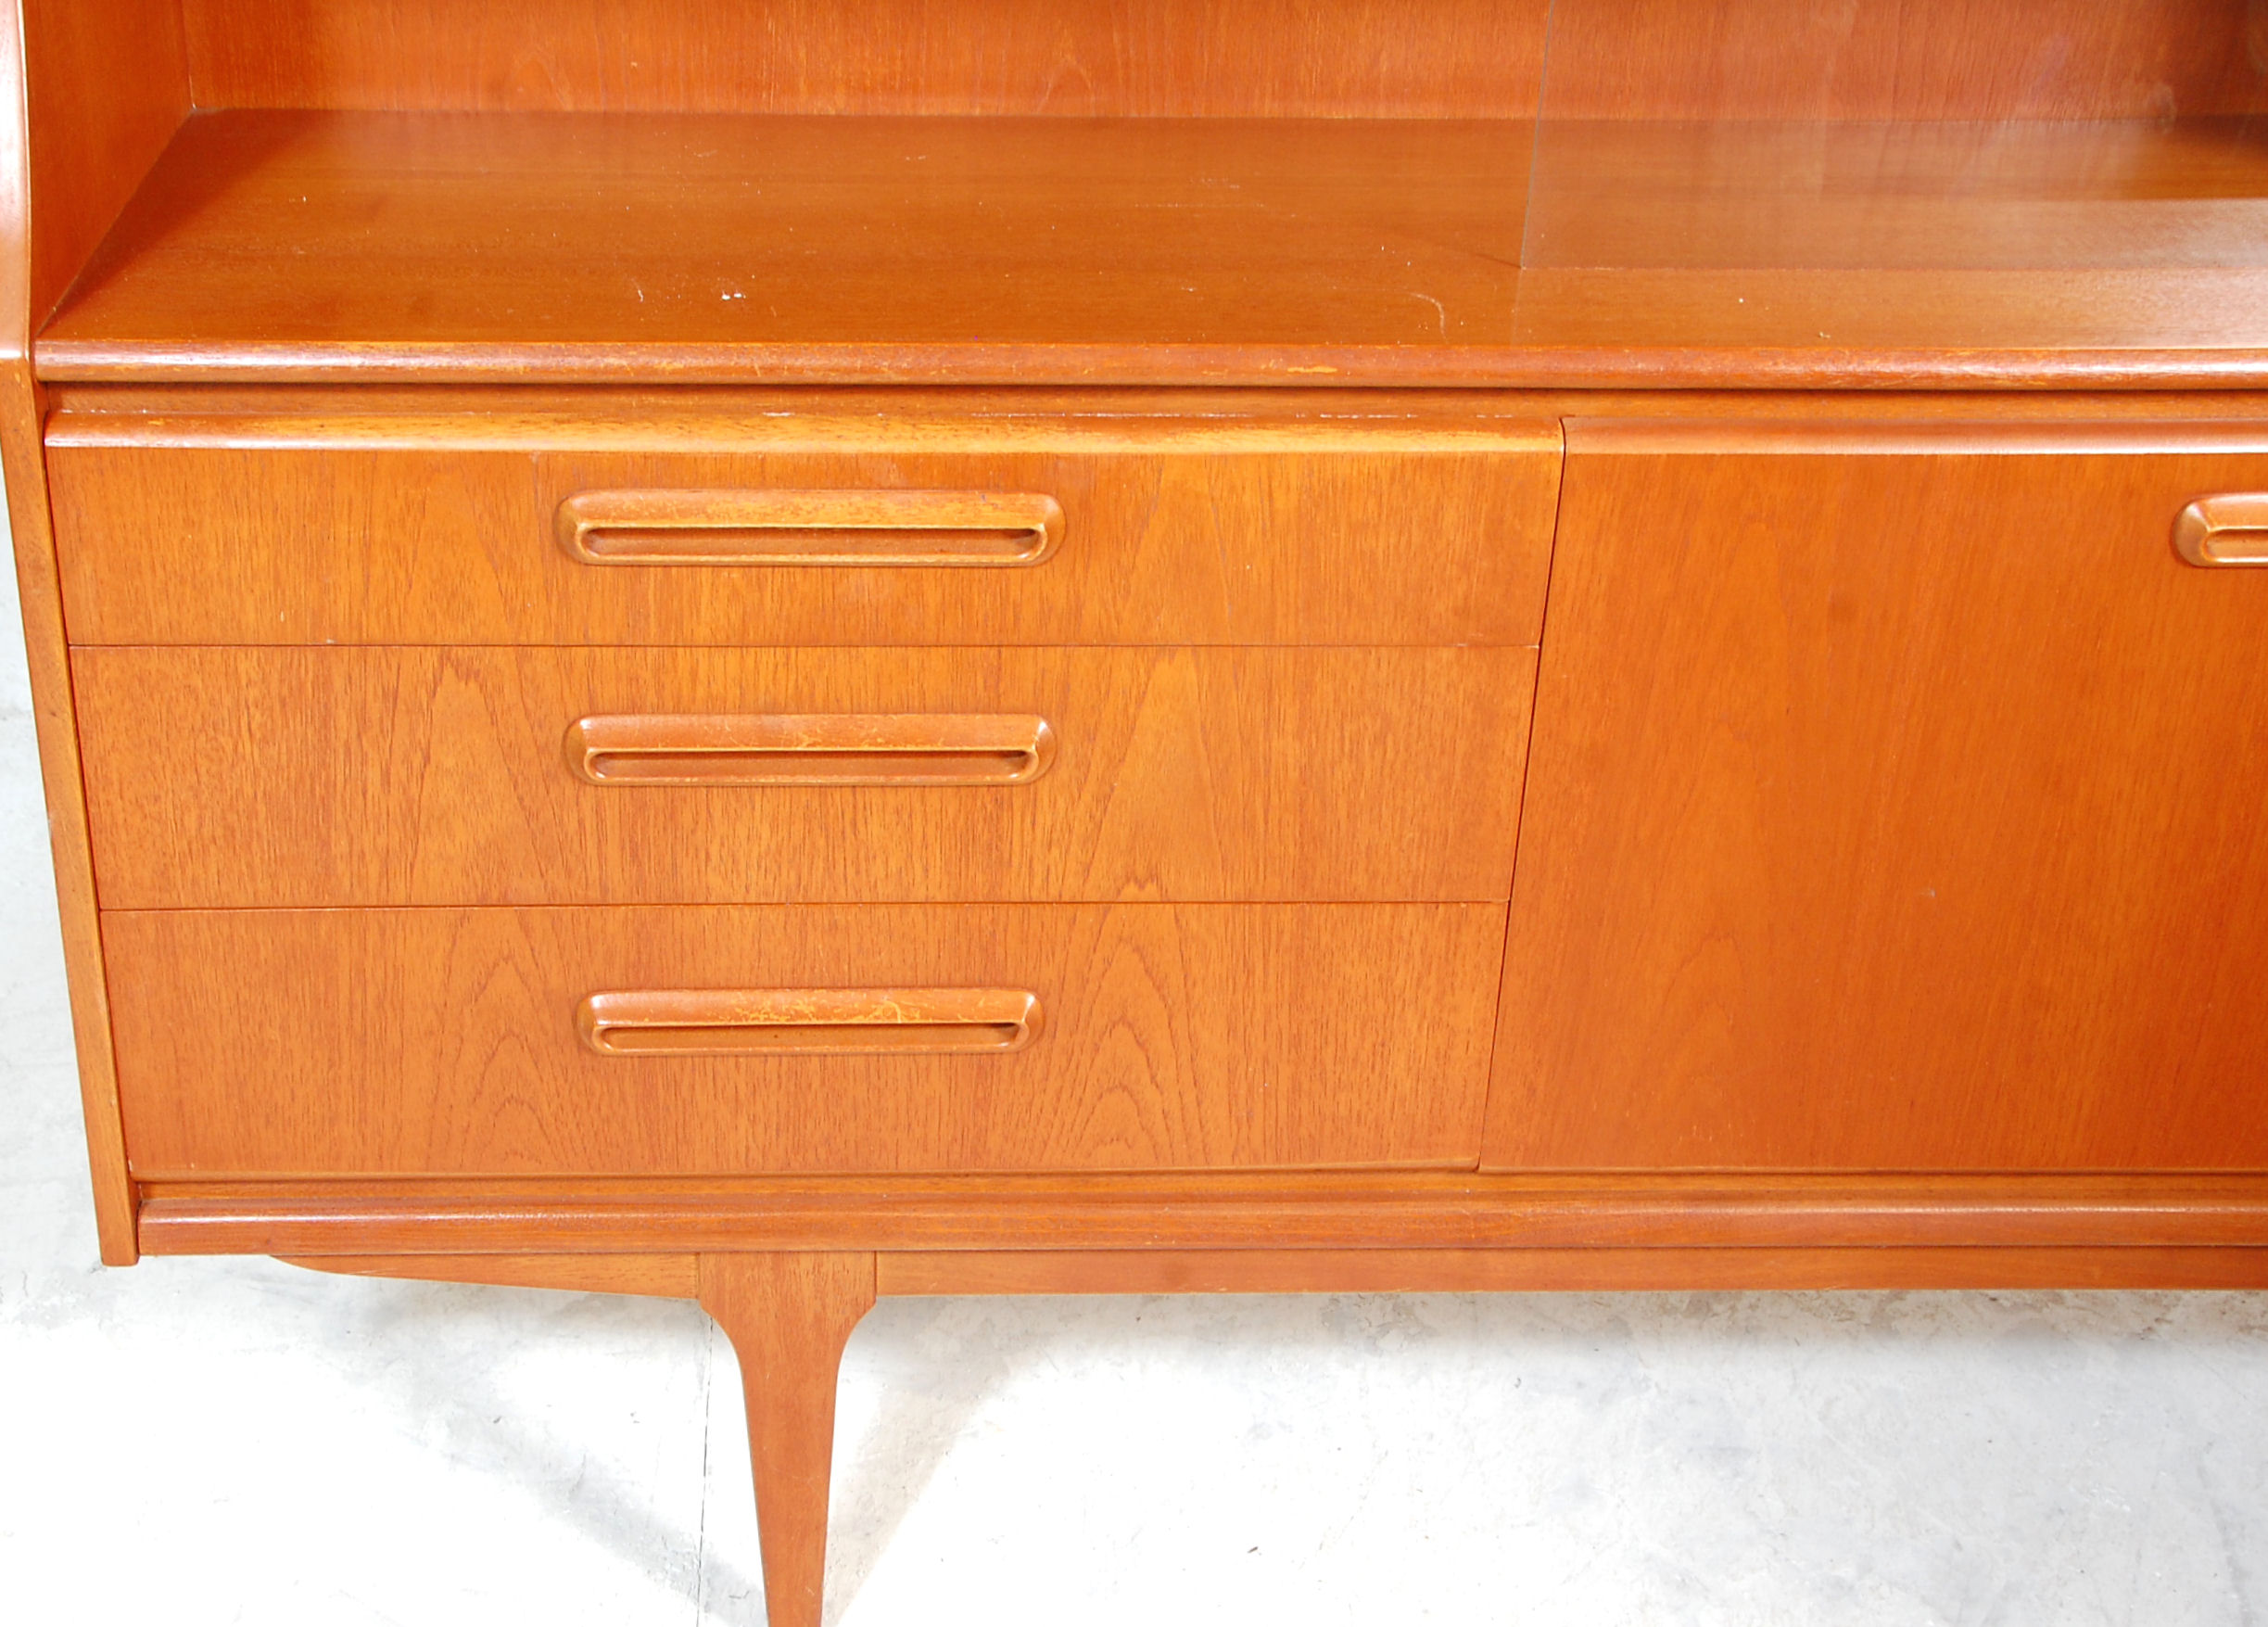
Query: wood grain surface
[[712, 420], [673, 1276], [109, 84], [1923, 835], [443, 1041], [1148, 1271], [1610, 58], [590, 247], [39, 589], [328, 777], [1918, 196], [1341, 1210], [1317, 59], [1919, 59], [1232, 533], [1044, 1271], [622, 235], [789, 1316]]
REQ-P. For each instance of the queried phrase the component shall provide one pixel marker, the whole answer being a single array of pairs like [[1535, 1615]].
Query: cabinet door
[[1898, 800]]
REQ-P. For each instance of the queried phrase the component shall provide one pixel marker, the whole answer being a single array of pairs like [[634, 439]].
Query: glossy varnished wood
[[1848, 243], [1346, 1209], [1908, 59], [1923, 833], [39, 589], [1182, 251], [1955, 196], [438, 520], [445, 1040], [717, 419], [789, 1316], [674, 1277], [1320, 58], [438, 776], [109, 84], [1897, 792], [1043, 1271], [677, 244]]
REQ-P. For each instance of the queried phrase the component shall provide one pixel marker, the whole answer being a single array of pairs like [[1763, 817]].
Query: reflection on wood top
[[736, 248]]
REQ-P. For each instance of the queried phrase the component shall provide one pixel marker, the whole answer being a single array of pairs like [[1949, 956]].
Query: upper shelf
[[583, 246]]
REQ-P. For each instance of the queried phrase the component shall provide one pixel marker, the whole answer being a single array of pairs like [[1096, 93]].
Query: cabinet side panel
[[51, 690], [108, 84]]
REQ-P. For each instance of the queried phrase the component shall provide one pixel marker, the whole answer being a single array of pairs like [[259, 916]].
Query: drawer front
[[1356, 543], [249, 776], [1905, 813], [461, 1042]]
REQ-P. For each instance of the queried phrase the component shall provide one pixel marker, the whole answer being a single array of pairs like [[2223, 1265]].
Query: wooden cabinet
[[1150, 644], [1926, 833]]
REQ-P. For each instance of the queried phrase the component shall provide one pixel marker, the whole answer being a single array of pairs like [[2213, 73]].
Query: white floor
[[198, 1440]]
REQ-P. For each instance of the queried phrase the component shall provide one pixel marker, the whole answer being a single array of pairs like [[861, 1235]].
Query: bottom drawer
[[470, 1042]]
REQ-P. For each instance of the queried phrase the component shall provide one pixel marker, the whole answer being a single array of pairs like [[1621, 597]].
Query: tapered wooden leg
[[789, 1316]]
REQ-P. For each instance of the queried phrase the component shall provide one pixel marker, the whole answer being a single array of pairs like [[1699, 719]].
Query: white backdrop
[[206, 1442]]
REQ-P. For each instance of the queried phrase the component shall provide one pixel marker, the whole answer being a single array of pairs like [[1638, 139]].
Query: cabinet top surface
[[809, 250]]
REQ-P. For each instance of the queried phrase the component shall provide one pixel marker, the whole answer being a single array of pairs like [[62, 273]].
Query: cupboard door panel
[[1893, 805]]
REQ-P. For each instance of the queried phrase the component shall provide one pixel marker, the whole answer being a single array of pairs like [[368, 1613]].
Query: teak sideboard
[[778, 651]]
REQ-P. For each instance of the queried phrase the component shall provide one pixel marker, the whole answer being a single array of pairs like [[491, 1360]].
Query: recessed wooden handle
[[875, 528], [2227, 529], [809, 1022], [889, 748]]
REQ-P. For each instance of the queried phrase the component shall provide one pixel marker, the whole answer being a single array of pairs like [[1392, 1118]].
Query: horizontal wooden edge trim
[[1412, 1211], [1568, 1270], [806, 428], [1742, 367], [660, 1275], [1165, 1271], [707, 418], [1641, 436]]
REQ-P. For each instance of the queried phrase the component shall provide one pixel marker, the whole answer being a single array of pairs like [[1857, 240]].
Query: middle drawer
[[316, 777]]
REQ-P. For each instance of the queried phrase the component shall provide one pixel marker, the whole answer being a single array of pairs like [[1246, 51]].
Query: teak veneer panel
[[1446, 58], [1949, 195], [81, 169], [92, 148], [1842, 242], [443, 1041], [669, 1277], [585, 247], [1151, 1271], [1917, 59], [623, 238], [1215, 532], [315, 777], [1891, 805], [1093, 1271], [1768, 1212], [1313, 58]]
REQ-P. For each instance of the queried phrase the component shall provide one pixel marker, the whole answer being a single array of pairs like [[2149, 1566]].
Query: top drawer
[[913, 528]]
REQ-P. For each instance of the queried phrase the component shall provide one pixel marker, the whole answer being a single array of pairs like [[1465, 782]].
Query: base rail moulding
[[1274, 1213]]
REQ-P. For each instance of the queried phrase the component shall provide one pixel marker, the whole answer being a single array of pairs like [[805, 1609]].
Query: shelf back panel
[[1906, 60], [1080, 59]]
